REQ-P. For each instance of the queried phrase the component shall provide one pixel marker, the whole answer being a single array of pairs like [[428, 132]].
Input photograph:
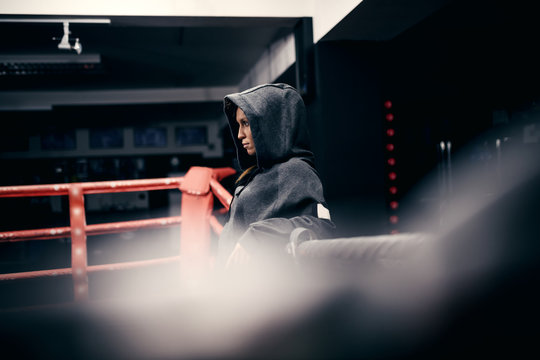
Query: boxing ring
[[199, 187], [399, 296]]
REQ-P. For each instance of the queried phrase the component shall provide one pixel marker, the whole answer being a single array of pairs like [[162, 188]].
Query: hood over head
[[277, 119]]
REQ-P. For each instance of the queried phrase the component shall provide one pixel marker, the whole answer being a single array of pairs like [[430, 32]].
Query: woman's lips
[[245, 145]]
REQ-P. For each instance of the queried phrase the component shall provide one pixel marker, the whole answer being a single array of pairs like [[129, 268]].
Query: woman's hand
[[239, 256]]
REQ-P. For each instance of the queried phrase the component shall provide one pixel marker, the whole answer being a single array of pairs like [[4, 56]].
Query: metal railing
[[198, 187]]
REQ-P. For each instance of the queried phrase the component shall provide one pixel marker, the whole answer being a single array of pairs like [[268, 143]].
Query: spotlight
[[64, 42], [77, 46]]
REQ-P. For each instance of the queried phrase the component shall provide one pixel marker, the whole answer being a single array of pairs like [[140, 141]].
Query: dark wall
[[467, 75], [346, 123]]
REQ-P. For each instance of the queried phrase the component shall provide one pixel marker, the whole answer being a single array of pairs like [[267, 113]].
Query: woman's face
[[244, 132]]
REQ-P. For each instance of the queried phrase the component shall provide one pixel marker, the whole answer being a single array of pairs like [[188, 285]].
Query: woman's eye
[[245, 123]]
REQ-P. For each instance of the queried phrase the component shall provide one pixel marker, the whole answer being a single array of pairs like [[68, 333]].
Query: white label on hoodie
[[322, 212]]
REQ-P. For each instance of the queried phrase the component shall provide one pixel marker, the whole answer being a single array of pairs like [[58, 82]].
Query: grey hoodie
[[285, 191]]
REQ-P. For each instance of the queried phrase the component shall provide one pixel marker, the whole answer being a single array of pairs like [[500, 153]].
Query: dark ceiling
[[165, 52], [171, 52], [137, 52]]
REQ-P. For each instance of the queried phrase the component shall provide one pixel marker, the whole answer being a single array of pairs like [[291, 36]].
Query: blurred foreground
[[469, 288]]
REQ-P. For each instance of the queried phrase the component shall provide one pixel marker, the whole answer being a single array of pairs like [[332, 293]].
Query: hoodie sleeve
[[273, 234], [299, 203]]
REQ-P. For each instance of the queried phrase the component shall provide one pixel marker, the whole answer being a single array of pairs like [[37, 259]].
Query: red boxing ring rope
[[198, 187]]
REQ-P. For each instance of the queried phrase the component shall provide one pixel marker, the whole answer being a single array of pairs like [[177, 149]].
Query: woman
[[279, 189]]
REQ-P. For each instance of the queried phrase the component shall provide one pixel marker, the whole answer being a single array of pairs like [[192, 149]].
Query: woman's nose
[[240, 134]]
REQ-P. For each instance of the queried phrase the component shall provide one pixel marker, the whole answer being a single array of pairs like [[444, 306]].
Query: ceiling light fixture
[[77, 46], [64, 42]]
